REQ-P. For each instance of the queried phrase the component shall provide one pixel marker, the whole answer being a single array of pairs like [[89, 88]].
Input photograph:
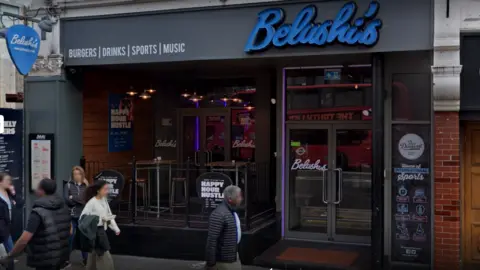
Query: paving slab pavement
[[138, 263]]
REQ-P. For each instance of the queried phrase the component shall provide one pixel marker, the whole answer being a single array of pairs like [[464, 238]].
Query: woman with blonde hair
[[74, 195]]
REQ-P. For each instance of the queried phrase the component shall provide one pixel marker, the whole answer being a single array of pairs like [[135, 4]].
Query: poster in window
[[411, 189], [11, 161], [120, 123]]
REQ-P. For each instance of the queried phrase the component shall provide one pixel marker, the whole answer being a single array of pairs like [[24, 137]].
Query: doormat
[[319, 256]]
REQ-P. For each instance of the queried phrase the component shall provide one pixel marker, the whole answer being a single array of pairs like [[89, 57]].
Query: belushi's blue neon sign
[[271, 30]]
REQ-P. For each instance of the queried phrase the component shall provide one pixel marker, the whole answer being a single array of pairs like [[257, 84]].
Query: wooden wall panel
[[95, 120]]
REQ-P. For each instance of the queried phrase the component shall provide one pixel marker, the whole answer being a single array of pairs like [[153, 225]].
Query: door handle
[[209, 156], [196, 158], [340, 185], [324, 193]]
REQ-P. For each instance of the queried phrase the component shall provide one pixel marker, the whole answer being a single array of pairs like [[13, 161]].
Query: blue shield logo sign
[[23, 44]]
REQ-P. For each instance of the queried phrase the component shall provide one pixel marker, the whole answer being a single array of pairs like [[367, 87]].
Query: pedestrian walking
[[95, 218], [225, 233], [74, 195], [5, 216], [15, 203], [47, 231]]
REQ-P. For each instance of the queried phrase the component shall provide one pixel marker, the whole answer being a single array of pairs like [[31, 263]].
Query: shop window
[[243, 134], [341, 92], [411, 97]]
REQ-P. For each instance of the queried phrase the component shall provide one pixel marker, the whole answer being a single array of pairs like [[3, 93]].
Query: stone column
[[50, 65]]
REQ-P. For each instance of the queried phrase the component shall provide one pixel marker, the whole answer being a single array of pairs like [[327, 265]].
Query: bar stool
[[142, 183], [175, 181]]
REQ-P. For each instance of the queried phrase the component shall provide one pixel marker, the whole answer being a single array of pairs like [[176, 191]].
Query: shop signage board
[[41, 158], [351, 114], [120, 123], [295, 28], [115, 180], [271, 30], [23, 44], [210, 187], [411, 190], [11, 159]]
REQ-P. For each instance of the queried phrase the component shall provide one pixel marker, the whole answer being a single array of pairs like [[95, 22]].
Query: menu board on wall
[[41, 158], [411, 189], [11, 160], [120, 123]]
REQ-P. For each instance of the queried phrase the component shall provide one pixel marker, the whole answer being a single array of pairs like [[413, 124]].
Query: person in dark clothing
[[6, 203], [224, 233], [74, 195], [47, 231], [16, 203]]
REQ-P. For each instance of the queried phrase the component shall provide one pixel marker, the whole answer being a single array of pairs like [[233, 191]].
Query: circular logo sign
[[300, 151], [115, 181], [402, 191], [210, 187], [411, 146]]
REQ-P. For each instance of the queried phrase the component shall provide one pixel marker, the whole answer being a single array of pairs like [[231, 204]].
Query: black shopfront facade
[[329, 101]]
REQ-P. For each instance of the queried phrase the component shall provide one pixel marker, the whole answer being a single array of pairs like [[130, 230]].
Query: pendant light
[[194, 98], [185, 94], [249, 106], [151, 90], [131, 92], [145, 95]]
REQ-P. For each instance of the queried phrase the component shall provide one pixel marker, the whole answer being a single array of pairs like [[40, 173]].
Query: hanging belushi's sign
[[23, 44], [271, 30]]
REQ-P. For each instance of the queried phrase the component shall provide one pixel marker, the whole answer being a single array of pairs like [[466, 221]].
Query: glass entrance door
[[329, 182], [203, 136]]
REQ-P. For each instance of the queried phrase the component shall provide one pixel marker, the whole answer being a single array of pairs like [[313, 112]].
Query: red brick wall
[[447, 190]]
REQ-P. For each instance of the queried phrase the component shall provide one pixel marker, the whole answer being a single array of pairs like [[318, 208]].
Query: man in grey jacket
[[224, 233]]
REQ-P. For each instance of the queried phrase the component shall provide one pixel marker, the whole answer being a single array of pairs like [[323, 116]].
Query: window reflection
[[329, 93], [243, 135]]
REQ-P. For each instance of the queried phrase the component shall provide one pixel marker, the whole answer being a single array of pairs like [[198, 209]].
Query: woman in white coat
[[97, 205]]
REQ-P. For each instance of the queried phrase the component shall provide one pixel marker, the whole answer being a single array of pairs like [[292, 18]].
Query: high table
[[156, 164], [229, 166]]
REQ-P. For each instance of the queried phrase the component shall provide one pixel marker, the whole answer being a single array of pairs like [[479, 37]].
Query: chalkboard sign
[[115, 180], [411, 189], [210, 187]]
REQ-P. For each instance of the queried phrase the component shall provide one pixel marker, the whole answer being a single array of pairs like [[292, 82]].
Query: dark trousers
[[72, 237]]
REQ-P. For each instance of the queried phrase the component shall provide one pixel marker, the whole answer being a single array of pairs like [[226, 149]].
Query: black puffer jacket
[[49, 245], [222, 236], [5, 219], [77, 200]]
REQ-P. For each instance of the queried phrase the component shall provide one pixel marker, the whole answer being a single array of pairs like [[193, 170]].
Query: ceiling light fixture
[[145, 95], [151, 90], [185, 94], [131, 92], [195, 98]]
